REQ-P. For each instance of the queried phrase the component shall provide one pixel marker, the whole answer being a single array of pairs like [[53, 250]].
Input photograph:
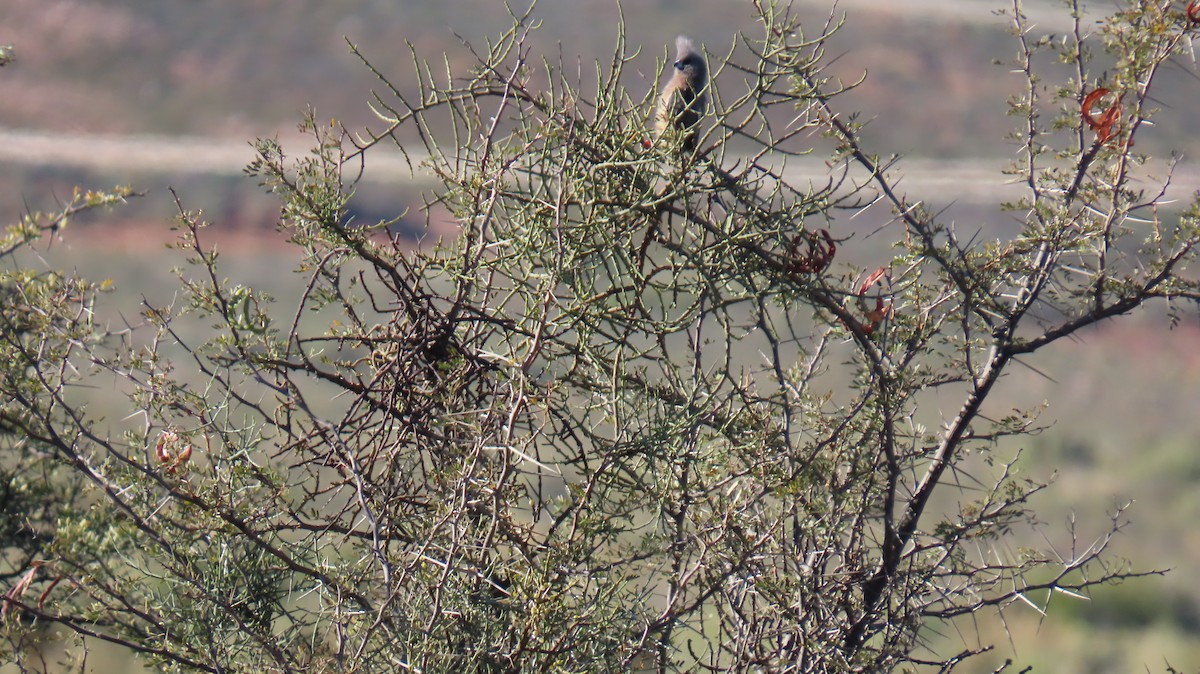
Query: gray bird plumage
[[684, 96]]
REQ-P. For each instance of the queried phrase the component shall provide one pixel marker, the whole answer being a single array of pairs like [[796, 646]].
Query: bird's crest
[[684, 47]]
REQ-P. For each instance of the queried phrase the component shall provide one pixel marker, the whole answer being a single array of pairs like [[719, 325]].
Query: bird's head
[[688, 60]]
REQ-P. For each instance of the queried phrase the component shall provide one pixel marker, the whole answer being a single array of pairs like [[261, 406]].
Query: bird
[[684, 96]]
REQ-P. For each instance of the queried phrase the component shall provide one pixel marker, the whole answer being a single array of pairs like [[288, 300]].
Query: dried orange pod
[[1089, 102], [17, 592], [870, 280], [1106, 125], [160, 448]]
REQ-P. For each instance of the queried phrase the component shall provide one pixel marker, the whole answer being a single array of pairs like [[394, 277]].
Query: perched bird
[[684, 96]]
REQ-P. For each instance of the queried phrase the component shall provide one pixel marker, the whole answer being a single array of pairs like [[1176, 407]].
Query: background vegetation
[[1125, 432]]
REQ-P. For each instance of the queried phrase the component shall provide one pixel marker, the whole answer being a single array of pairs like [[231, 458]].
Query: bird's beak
[[679, 65]]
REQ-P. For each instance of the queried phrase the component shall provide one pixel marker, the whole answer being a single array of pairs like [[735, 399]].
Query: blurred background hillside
[[155, 94]]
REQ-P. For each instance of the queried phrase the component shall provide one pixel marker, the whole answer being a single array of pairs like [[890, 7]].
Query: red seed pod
[[161, 449], [1106, 123]]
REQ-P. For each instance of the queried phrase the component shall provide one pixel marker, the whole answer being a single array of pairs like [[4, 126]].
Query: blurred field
[[1123, 399]]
